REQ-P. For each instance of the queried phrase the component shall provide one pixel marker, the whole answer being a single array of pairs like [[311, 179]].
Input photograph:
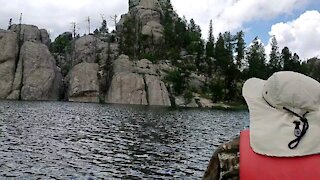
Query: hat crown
[[292, 90]]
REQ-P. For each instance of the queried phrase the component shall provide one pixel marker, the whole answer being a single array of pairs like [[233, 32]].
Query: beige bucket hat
[[284, 114]]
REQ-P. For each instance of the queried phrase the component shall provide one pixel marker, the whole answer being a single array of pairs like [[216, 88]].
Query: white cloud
[[301, 35], [231, 15], [227, 15], [57, 15]]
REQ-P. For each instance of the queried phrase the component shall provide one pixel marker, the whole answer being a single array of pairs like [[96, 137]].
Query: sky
[[295, 23]]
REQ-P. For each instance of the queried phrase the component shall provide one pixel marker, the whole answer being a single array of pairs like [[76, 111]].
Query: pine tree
[[240, 49], [10, 23], [275, 63], [210, 42], [104, 29], [291, 62], [256, 60], [210, 50], [220, 55], [194, 37], [229, 45], [211, 37], [286, 57]]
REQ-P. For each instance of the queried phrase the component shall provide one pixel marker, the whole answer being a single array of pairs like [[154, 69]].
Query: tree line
[[225, 61]]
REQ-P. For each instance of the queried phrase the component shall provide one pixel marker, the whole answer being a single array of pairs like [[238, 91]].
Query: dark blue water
[[56, 140]]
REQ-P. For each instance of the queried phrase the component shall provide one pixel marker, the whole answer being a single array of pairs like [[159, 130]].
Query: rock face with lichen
[[41, 78], [31, 33], [127, 88], [89, 68], [149, 14], [83, 83], [28, 70], [8, 55], [136, 83]]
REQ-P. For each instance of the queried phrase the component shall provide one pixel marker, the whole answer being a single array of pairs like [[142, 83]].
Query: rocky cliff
[[83, 83], [8, 55], [41, 79], [148, 14], [28, 68], [90, 68], [136, 83]]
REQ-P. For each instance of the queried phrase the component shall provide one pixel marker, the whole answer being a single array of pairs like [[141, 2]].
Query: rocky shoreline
[[93, 68], [29, 71]]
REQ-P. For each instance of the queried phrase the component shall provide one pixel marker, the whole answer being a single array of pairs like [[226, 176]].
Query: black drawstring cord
[[299, 134]]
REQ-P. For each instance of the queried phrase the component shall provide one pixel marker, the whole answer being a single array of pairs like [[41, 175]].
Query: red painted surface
[[258, 167]]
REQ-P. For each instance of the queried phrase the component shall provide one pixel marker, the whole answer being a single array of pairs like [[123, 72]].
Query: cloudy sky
[[295, 23]]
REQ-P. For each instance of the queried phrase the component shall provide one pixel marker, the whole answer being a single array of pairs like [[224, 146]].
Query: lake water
[[58, 140]]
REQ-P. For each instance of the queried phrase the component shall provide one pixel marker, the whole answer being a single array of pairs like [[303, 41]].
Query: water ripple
[[55, 140]]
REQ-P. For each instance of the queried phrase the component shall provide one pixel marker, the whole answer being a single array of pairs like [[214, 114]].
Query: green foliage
[[151, 57], [275, 63], [178, 79], [257, 60], [240, 49], [312, 67], [290, 63], [62, 44], [216, 87], [129, 38], [225, 63], [188, 95], [193, 38], [104, 29], [221, 55]]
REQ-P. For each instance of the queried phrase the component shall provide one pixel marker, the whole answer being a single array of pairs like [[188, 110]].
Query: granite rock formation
[[83, 83]]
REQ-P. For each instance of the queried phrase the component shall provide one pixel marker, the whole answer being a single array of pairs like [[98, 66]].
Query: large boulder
[[127, 88], [83, 83], [136, 83], [180, 101], [157, 91], [86, 49], [163, 67], [155, 30], [122, 64], [197, 82], [44, 36], [145, 66], [8, 55], [41, 78], [31, 33], [148, 10]]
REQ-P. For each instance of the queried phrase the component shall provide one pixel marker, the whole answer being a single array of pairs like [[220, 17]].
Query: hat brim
[[272, 129]]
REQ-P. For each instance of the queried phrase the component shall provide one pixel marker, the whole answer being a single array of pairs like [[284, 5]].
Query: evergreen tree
[[210, 50], [193, 37], [228, 40], [130, 38], [199, 58], [231, 73], [240, 49], [169, 35], [104, 29], [180, 31], [210, 42], [10, 23], [275, 63], [220, 55], [286, 57], [256, 60], [296, 62]]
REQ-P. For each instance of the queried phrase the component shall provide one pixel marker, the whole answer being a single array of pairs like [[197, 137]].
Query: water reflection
[[55, 140]]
